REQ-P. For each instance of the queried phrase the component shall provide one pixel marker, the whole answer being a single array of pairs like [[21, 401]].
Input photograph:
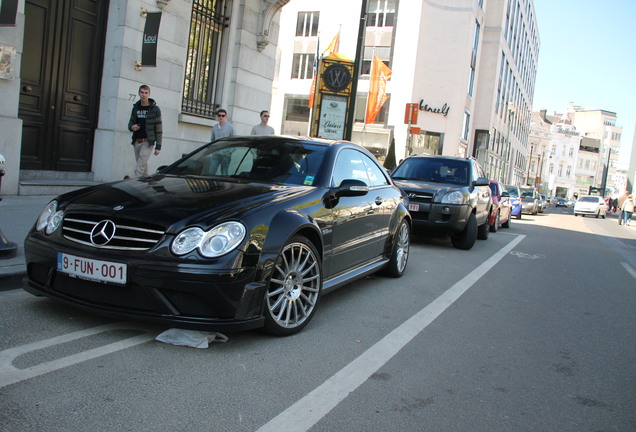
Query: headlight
[[216, 242], [455, 197], [50, 218]]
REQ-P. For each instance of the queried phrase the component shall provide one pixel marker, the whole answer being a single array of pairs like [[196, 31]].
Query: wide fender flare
[[399, 215], [283, 227]]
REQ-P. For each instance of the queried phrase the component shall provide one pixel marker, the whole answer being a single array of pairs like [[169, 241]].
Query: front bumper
[[197, 295], [443, 218]]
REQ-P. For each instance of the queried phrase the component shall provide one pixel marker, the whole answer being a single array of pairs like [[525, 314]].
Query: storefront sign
[[8, 11], [151, 36], [426, 107], [333, 113]]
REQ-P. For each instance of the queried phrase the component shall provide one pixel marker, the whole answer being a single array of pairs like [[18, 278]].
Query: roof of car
[[439, 157]]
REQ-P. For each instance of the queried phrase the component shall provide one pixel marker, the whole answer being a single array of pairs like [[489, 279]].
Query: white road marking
[[629, 269], [9, 374], [306, 412]]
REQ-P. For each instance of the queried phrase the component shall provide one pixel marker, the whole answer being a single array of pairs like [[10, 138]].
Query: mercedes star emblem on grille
[[103, 232]]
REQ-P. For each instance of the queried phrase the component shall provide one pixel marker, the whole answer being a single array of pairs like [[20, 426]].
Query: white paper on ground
[[190, 338]]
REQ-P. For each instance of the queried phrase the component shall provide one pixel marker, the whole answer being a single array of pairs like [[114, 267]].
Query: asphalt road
[[531, 330]]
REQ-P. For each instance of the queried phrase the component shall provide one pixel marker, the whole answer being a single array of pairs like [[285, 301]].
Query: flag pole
[[356, 72]]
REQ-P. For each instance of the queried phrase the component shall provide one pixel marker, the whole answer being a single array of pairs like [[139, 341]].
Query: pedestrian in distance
[[621, 200], [627, 209], [221, 158], [263, 128], [147, 128], [223, 128]]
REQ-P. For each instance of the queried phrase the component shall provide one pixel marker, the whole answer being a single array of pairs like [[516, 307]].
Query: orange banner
[[380, 74]]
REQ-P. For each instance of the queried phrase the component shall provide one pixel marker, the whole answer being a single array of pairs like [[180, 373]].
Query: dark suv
[[447, 195]]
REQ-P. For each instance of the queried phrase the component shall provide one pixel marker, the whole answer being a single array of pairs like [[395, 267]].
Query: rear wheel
[[506, 224], [466, 239], [495, 225], [399, 251], [294, 288]]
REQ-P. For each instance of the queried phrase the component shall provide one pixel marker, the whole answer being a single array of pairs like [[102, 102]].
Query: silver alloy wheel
[[402, 251], [294, 288]]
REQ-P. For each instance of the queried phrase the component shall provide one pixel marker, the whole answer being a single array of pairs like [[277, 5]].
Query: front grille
[[127, 235], [420, 196]]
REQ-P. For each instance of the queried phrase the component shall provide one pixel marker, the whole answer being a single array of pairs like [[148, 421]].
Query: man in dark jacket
[[145, 124]]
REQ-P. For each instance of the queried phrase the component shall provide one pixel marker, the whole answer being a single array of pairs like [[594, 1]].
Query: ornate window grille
[[203, 59]]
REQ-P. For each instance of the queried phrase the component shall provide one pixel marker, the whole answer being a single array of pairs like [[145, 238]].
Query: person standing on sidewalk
[[147, 128], [263, 128], [221, 130], [627, 209], [621, 200]]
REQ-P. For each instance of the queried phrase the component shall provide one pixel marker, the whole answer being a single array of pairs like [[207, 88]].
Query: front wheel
[[466, 239], [294, 288], [399, 251]]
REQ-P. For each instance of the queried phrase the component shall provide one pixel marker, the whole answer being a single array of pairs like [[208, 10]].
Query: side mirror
[[482, 181], [351, 188]]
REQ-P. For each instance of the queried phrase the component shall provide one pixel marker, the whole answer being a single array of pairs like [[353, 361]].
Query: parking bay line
[[307, 411], [9, 374]]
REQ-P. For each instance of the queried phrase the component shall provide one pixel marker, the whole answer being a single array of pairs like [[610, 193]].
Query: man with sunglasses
[[263, 128], [224, 128], [222, 158]]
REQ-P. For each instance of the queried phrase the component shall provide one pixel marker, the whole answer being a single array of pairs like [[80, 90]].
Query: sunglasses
[[220, 115], [265, 115]]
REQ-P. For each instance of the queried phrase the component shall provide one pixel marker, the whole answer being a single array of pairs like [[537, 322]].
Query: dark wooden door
[[61, 70]]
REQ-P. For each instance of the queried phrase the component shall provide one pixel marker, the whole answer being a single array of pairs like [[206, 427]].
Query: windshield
[[276, 161], [436, 170], [527, 193], [589, 199], [513, 191]]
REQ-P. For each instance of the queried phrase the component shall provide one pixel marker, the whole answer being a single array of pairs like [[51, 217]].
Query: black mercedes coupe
[[242, 233]]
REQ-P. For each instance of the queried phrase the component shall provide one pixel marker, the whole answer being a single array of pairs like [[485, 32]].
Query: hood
[[426, 188], [177, 201]]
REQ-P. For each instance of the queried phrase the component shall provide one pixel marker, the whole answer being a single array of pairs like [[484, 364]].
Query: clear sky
[[588, 57]]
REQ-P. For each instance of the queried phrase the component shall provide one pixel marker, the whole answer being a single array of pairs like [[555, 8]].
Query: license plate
[[91, 269], [414, 207]]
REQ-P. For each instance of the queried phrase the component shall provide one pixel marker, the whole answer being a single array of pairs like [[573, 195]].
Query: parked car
[[501, 207], [515, 200], [255, 247], [529, 200], [590, 205], [447, 195], [560, 202], [543, 202]]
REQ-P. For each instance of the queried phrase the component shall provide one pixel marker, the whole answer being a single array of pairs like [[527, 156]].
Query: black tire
[[495, 226], [483, 231], [293, 291], [466, 239], [506, 224], [399, 251], [519, 215]]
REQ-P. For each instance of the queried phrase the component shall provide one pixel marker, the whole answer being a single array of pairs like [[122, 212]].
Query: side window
[[376, 174], [349, 165]]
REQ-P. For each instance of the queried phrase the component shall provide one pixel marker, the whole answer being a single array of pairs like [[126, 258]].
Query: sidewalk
[[17, 215]]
